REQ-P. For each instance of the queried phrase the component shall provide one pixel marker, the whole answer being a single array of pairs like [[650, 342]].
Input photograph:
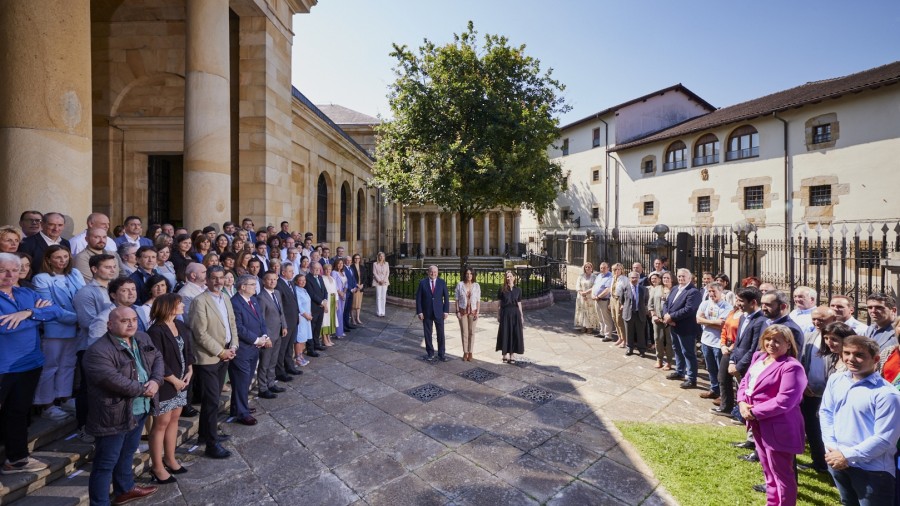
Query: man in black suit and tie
[[318, 296], [252, 334], [273, 314], [635, 298], [680, 310], [284, 363], [35, 245], [750, 328], [262, 254], [433, 307]]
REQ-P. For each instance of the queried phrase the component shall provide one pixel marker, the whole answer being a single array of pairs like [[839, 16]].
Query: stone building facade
[[172, 110]]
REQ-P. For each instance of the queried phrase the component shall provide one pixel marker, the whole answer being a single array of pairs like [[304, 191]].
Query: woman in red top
[[726, 384]]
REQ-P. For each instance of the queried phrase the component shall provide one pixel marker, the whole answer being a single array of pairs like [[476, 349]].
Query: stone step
[[43, 431]]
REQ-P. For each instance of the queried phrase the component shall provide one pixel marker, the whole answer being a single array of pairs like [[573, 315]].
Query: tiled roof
[[305, 101], [809, 93], [344, 116], [674, 87]]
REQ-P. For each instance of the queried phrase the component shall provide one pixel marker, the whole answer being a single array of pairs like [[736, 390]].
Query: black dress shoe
[[189, 411], [444, 359], [759, 487], [629, 353], [247, 420], [265, 394], [747, 445], [688, 384], [428, 358], [349, 327], [284, 377], [217, 452], [721, 412], [750, 457], [277, 389], [319, 347], [643, 353], [674, 376], [311, 353], [293, 371]]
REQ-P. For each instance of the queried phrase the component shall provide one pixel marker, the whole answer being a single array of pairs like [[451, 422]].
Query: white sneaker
[[142, 448], [68, 406], [54, 413], [26, 465]]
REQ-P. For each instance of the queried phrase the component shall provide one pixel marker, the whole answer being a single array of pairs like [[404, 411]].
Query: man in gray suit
[[272, 306], [635, 298]]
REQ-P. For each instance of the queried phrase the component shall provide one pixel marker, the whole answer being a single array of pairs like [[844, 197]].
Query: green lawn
[[698, 467], [490, 284]]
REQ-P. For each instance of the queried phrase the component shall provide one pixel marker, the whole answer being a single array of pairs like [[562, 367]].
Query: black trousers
[[285, 354], [809, 407], [81, 397], [318, 316], [726, 385], [210, 379], [16, 393]]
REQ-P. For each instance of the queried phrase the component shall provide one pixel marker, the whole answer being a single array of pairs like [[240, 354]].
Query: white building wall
[[654, 114]]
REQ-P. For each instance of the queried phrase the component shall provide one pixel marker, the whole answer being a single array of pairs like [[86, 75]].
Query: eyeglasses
[[34, 220]]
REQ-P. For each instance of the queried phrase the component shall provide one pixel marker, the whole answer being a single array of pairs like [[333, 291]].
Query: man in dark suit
[[318, 296], [750, 328], [775, 308], [635, 299], [251, 330], [273, 313], [352, 287], [680, 310], [284, 363], [433, 307], [35, 245]]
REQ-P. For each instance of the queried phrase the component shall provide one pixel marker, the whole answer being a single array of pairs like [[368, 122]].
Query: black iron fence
[[830, 260], [534, 281]]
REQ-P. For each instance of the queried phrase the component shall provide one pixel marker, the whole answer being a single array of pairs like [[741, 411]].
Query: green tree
[[470, 130]]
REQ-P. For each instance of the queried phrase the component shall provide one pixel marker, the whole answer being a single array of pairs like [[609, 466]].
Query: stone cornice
[[324, 130], [130, 123], [301, 6]]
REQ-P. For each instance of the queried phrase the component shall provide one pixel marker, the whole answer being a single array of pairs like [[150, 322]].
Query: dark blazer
[[317, 293], [352, 279], [432, 305], [291, 308], [684, 310], [35, 246], [249, 326], [359, 274], [272, 314], [164, 341], [795, 329], [627, 299], [748, 342]]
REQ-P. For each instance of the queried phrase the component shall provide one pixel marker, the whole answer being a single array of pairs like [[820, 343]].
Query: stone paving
[[349, 432]]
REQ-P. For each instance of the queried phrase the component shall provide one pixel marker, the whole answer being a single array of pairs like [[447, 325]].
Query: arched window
[[360, 213], [345, 211], [743, 143], [706, 150], [676, 157], [322, 209]]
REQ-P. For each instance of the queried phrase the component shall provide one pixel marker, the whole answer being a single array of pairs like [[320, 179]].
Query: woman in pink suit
[[769, 400]]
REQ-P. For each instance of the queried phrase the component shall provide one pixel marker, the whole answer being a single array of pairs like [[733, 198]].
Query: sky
[[604, 52]]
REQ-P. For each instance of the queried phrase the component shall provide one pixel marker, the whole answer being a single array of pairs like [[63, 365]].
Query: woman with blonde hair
[[619, 283], [381, 273], [586, 317], [10, 238]]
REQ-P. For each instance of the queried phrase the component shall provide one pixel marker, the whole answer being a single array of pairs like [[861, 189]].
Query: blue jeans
[[113, 459], [712, 356], [685, 347], [863, 488]]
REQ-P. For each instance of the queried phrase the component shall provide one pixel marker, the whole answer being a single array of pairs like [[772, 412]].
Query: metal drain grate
[[427, 392], [479, 375], [534, 394]]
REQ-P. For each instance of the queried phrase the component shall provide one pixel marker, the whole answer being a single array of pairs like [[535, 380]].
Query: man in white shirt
[[600, 292], [195, 284], [843, 306], [51, 228], [804, 302], [94, 220]]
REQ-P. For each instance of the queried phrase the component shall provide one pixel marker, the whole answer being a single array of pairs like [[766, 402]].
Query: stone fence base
[[541, 302]]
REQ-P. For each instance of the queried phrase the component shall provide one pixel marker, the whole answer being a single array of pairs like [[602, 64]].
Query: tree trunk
[[464, 218]]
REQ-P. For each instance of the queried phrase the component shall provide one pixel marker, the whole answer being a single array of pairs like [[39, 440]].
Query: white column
[[422, 233], [207, 124], [516, 238], [501, 220], [407, 232], [471, 244], [453, 234], [437, 234], [486, 243]]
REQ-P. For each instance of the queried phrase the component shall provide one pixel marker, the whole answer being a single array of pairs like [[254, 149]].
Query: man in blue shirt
[[859, 426], [882, 309]]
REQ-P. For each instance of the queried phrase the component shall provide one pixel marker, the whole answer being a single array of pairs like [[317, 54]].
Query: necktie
[[637, 300], [275, 300], [432, 286], [252, 307]]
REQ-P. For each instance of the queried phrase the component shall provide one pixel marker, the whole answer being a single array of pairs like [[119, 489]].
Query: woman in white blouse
[[468, 302]]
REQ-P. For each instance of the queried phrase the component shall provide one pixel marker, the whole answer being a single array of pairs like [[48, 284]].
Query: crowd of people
[[126, 330], [809, 374]]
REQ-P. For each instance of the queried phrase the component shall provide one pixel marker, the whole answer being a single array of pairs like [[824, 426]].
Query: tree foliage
[[471, 127]]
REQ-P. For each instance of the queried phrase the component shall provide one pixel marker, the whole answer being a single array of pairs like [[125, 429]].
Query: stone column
[[486, 238], [407, 232], [207, 117], [45, 108], [437, 234], [517, 232], [501, 233], [471, 244], [422, 233], [453, 252]]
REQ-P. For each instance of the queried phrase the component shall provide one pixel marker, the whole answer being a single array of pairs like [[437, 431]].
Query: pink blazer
[[776, 403]]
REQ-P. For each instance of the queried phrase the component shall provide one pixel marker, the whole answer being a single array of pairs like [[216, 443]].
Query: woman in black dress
[[510, 338]]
